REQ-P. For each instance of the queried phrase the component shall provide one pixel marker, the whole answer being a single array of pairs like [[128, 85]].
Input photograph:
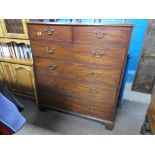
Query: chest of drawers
[[79, 67]]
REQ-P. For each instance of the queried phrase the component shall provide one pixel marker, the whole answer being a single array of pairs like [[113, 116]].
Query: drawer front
[[75, 105], [108, 76], [102, 34], [44, 32], [108, 56], [74, 88]]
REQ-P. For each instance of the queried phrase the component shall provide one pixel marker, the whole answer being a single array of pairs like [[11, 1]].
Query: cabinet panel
[[15, 28], [1, 74], [1, 30], [24, 79], [10, 80]]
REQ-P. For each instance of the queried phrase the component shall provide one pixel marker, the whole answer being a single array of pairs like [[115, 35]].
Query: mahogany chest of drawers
[[79, 67]]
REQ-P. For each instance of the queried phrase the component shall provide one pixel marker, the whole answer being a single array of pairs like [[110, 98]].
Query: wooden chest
[[79, 67]]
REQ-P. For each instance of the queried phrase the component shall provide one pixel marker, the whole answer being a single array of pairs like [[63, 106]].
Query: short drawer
[[109, 56], [46, 32], [78, 71], [75, 105], [102, 34], [85, 90]]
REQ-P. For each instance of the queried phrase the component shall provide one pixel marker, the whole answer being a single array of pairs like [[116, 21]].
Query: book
[[29, 48], [28, 52], [11, 50], [21, 51], [5, 50], [1, 52], [15, 50], [25, 51]]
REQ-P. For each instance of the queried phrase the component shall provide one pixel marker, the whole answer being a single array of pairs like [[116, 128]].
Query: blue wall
[[135, 43]]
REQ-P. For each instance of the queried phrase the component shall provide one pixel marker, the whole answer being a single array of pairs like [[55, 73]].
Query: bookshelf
[[16, 64]]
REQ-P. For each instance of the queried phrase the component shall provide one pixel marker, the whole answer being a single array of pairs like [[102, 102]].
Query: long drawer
[[75, 105], [79, 71], [86, 90], [108, 56], [46, 32], [102, 34]]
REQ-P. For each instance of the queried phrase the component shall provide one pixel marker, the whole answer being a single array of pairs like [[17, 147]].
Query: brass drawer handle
[[99, 35], [52, 67], [92, 108], [93, 90], [50, 50], [97, 74], [97, 55], [49, 32]]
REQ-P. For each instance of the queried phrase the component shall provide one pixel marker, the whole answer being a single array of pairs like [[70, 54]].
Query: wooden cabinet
[[15, 28], [16, 72], [24, 79], [18, 76], [79, 67]]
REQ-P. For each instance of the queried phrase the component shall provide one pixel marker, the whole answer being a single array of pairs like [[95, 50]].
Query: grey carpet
[[129, 119]]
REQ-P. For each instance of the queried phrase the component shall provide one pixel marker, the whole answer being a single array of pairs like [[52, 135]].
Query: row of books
[[14, 50]]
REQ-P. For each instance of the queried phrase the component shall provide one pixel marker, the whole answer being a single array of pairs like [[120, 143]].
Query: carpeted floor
[[129, 119]]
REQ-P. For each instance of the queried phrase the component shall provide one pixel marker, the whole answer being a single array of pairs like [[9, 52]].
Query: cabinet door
[[1, 74], [15, 28], [1, 30], [9, 77], [24, 79], [151, 111]]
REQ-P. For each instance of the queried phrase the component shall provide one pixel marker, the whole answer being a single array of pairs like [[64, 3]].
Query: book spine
[[1, 52], [28, 52], [5, 50], [13, 51], [10, 50], [21, 51], [29, 48], [25, 52], [16, 50]]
